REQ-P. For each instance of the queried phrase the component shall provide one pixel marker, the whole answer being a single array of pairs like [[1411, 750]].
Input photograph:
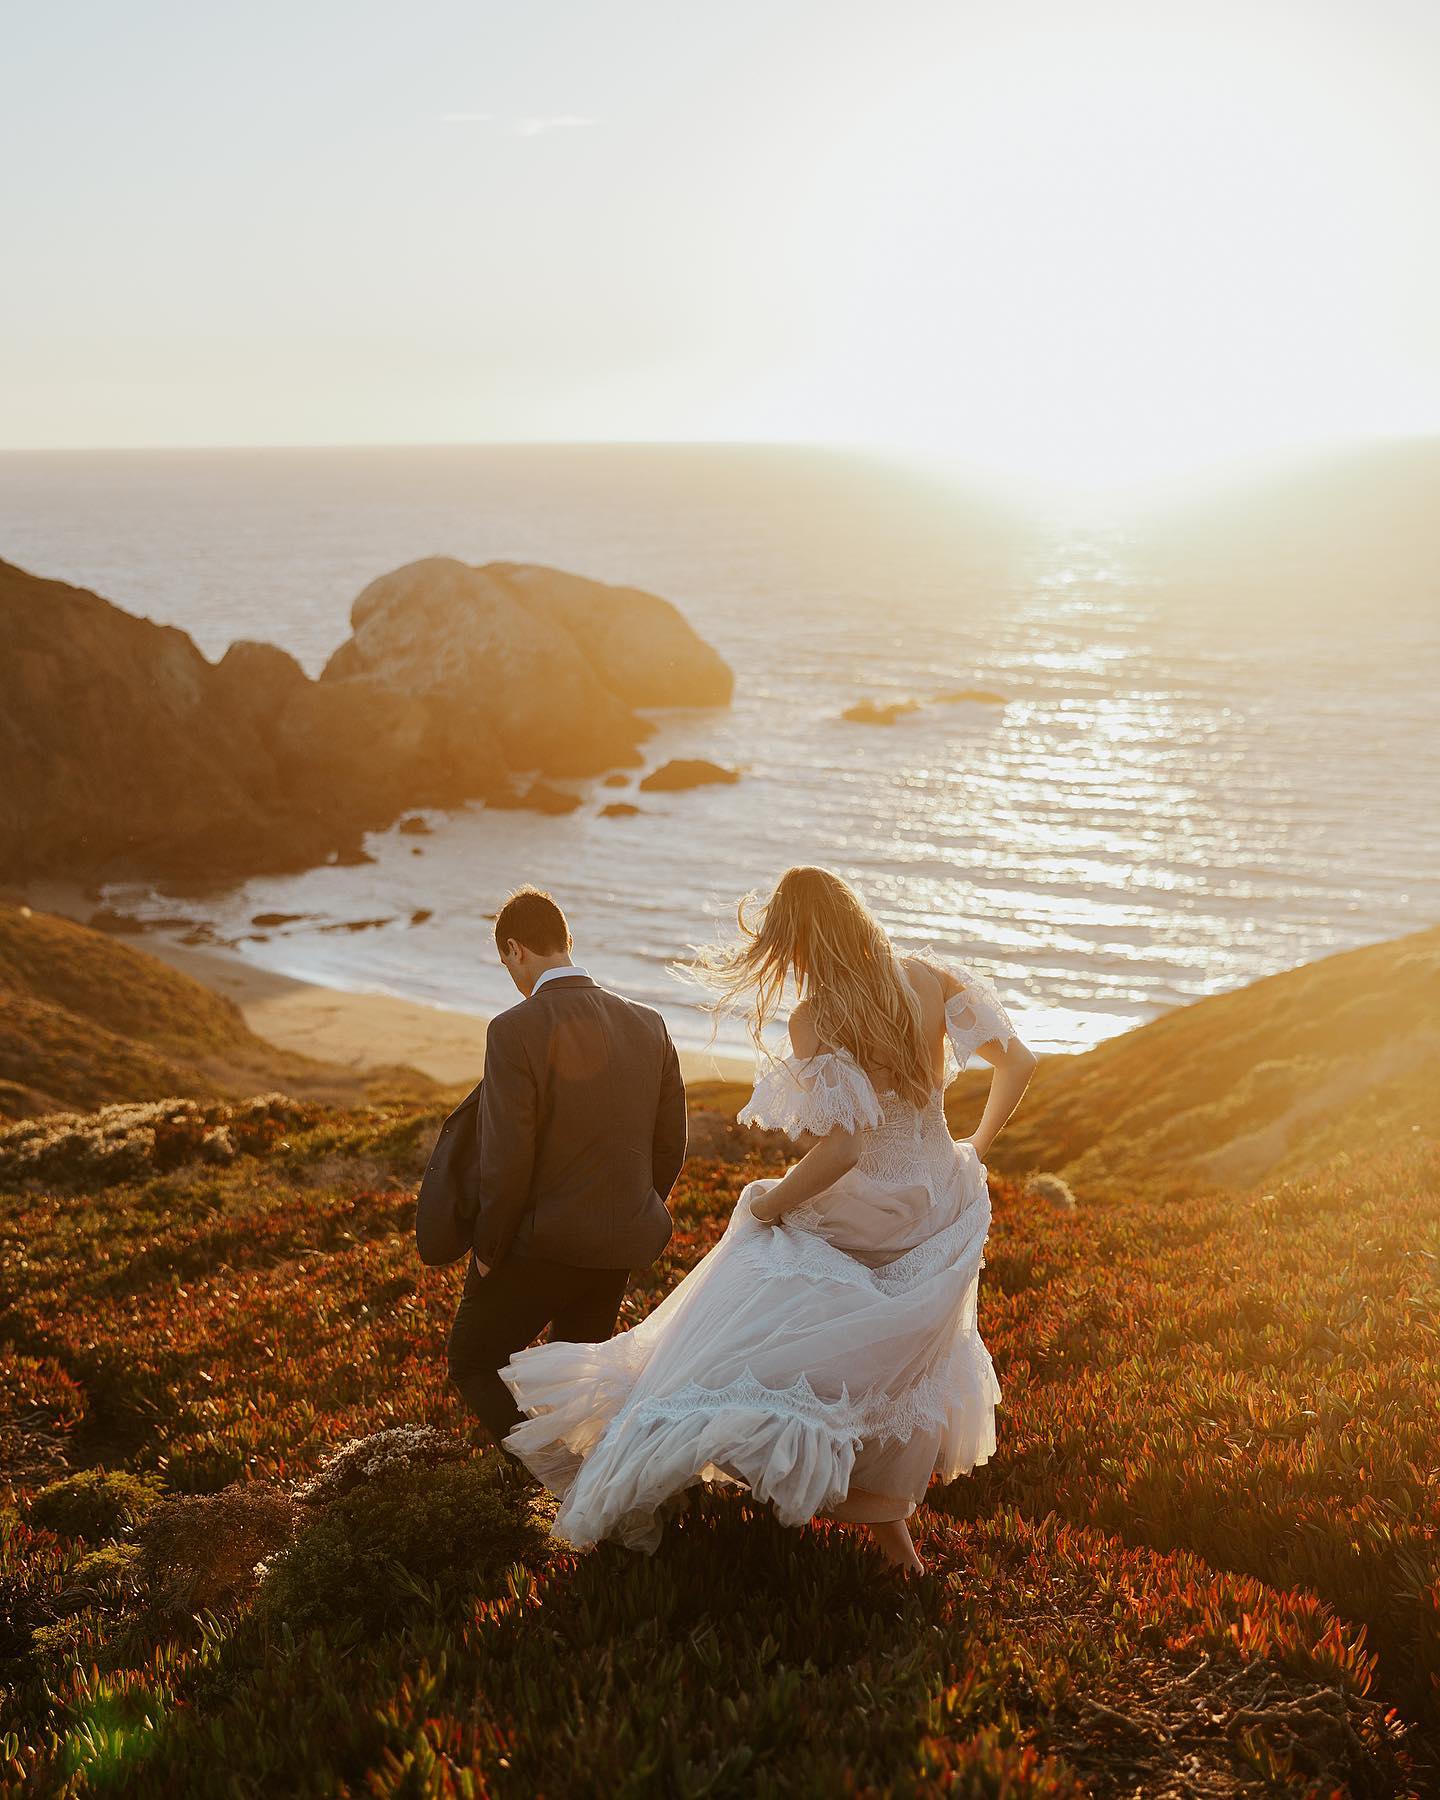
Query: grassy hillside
[[1278, 1078], [1205, 1552], [86, 1019], [1205, 1558]]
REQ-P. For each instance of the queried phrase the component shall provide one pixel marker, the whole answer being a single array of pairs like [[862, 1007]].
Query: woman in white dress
[[825, 1353]]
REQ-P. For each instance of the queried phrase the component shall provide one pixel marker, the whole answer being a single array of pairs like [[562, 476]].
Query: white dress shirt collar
[[564, 969]]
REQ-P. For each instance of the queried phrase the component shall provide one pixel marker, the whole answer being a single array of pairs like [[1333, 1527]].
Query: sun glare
[[1100, 272]]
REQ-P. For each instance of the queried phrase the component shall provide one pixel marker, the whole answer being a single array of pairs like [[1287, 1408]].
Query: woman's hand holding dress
[[819, 1168]]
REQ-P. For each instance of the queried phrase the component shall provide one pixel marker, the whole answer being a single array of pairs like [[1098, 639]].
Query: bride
[[825, 1353]]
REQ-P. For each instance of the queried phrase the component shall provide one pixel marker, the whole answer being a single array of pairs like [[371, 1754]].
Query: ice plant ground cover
[[1203, 1559]]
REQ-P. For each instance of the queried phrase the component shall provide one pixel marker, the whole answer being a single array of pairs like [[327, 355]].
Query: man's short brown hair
[[533, 919]]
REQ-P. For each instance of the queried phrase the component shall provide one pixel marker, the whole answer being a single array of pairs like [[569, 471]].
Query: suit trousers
[[507, 1309]]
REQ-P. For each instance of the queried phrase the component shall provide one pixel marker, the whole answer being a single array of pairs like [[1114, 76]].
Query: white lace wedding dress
[[838, 1347]]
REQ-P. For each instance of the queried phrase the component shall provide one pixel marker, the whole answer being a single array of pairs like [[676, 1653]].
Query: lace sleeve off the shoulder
[[813, 1093], [975, 1015]]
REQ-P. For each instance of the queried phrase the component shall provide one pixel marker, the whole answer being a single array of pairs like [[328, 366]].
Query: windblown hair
[[816, 928]]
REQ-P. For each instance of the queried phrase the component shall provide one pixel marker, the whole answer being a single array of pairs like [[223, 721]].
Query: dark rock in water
[[538, 797], [356, 924], [616, 780], [618, 809], [982, 697], [118, 924], [686, 774], [548, 800], [876, 712], [415, 826], [421, 914], [195, 772], [278, 918]]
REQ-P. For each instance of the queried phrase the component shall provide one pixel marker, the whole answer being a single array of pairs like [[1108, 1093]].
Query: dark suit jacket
[[582, 1129], [450, 1188]]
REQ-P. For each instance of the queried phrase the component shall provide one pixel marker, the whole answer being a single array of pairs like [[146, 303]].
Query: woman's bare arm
[[1013, 1066], [826, 1160], [1014, 1063]]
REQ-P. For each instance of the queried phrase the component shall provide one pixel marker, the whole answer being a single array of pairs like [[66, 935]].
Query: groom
[[582, 1136]]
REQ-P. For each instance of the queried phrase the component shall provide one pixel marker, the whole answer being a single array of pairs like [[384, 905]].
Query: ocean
[[1215, 756]]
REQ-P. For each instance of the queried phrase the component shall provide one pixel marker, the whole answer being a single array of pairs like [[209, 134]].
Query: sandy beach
[[357, 1031], [363, 1030]]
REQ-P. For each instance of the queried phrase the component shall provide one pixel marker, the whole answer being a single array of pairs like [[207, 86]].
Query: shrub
[[128, 1141], [383, 1453], [1053, 1189], [109, 1570], [363, 1558], [101, 1586], [201, 1551], [96, 1503]]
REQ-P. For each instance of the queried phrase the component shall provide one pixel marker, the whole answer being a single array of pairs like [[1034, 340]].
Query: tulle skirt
[[783, 1363]]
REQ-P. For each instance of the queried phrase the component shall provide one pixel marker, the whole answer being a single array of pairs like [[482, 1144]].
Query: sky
[[1082, 239]]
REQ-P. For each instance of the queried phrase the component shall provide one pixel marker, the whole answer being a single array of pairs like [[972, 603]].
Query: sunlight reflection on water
[[1179, 794]]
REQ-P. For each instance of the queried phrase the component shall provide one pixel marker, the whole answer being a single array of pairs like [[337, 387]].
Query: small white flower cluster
[[382, 1453]]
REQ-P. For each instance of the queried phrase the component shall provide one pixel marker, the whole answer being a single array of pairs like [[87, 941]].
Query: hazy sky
[[1073, 237]]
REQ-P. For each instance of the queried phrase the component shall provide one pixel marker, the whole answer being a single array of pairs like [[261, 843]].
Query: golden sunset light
[[719, 900], [1093, 247]]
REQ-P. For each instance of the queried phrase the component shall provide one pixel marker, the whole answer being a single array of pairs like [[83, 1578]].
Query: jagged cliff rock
[[553, 662], [638, 644], [125, 752]]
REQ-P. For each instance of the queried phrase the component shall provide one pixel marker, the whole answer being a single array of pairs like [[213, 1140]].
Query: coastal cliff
[[125, 752]]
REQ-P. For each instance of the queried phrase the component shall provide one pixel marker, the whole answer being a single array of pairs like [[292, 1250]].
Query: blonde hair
[[816, 927]]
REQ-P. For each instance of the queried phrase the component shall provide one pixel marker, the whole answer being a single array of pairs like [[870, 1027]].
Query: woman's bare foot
[[893, 1537]]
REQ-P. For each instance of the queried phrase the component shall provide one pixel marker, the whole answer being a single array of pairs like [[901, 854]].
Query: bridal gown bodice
[[837, 1348], [909, 1179]]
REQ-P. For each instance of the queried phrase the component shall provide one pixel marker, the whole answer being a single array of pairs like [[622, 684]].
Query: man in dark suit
[[582, 1135]]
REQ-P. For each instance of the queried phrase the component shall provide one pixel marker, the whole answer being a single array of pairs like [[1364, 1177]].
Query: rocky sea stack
[[125, 752]]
